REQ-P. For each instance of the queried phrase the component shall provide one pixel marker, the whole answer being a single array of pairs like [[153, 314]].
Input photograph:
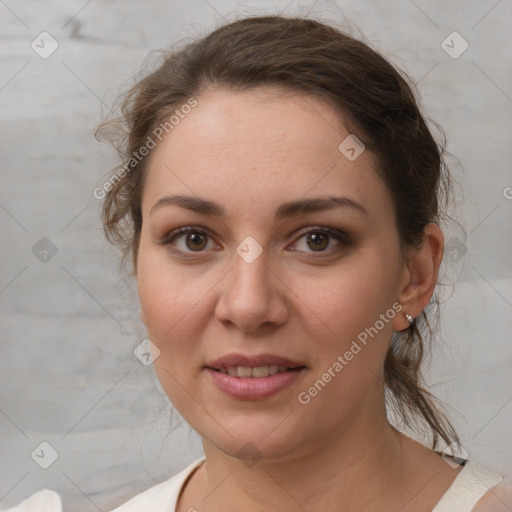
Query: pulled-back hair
[[375, 102]]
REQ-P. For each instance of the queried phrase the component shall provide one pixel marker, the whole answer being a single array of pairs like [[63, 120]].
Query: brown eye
[[317, 241], [322, 241], [187, 240], [196, 241]]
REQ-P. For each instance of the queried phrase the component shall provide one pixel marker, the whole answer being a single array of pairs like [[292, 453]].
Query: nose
[[252, 295]]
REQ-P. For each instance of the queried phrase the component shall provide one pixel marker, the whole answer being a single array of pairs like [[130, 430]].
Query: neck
[[330, 476]]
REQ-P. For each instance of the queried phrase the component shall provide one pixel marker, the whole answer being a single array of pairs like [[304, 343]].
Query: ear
[[420, 275]]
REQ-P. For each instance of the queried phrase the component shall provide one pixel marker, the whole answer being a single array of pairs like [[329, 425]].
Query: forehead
[[259, 147]]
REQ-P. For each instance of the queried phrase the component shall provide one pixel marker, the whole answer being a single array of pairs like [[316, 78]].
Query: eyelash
[[339, 236]]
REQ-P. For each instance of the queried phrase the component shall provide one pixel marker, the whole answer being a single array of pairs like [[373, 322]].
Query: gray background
[[70, 320]]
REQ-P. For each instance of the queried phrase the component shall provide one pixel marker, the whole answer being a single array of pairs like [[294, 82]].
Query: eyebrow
[[288, 209]]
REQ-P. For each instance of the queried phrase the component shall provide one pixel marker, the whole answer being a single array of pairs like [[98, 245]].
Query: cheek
[[164, 296], [167, 306], [352, 350], [346, 308], [351, 297], [174, 303]]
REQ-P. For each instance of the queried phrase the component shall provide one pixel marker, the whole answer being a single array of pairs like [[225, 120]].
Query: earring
[[409, 318]]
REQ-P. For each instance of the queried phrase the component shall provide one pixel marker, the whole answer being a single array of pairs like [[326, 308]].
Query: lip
[[254, 388], [252, 361]]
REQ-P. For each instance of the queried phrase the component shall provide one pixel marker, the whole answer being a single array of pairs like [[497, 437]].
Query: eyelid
[[335, 233]]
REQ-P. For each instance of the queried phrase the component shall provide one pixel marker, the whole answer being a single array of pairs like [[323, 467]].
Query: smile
[[255, 372]]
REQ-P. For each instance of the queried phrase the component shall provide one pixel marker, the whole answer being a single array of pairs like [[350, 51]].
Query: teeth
[[244, 371], [257, 371]]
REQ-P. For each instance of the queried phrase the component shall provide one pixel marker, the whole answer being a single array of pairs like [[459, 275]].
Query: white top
[[469, 486], [45, 500]]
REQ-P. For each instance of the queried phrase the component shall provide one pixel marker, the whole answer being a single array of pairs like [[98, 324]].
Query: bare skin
[[497, 499], [418, 483], [249, 153]]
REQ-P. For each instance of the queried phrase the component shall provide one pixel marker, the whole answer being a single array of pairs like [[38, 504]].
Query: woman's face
[[259, 276]]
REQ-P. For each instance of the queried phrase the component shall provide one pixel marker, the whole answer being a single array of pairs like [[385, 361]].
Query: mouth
[[254, 377], [255, 371], [259, 363]]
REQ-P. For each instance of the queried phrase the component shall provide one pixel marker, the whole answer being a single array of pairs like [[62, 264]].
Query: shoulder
[[161, 497], [473, 490], [497, 498], [45, 499]]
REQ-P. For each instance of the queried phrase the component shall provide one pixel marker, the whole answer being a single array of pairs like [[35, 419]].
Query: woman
[[280, 197]]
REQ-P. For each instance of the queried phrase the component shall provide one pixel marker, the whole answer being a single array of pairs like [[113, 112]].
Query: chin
[[252, 437], [252, 449]]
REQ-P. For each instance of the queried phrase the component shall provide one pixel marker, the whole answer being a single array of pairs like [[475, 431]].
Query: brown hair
[[378, 105]]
